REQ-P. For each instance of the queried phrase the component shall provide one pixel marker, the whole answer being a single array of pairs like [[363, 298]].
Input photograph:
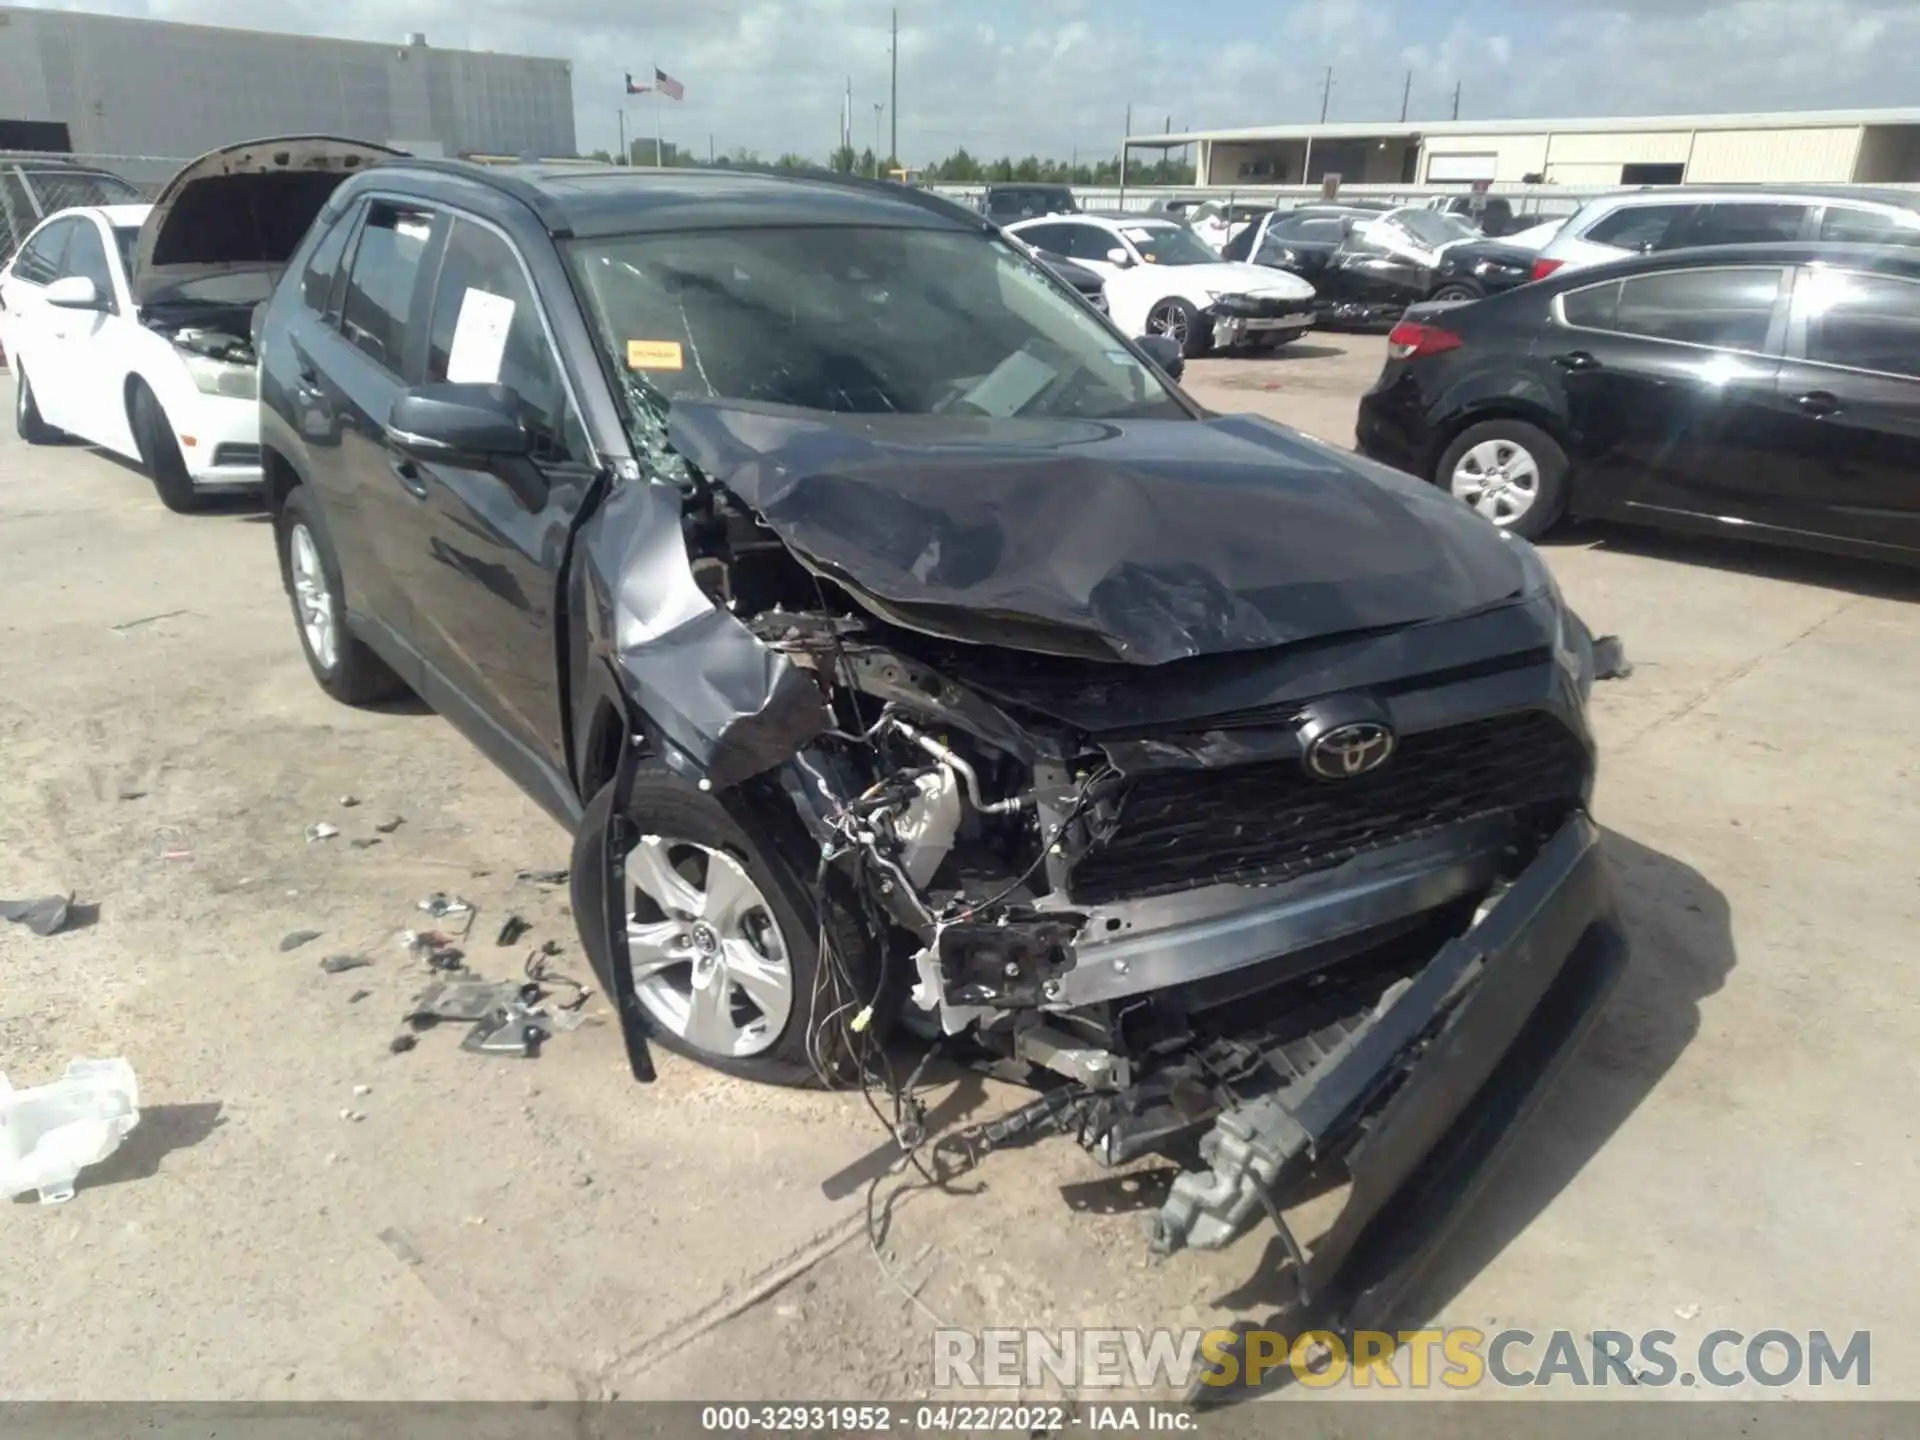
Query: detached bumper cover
[[1461, 1054]]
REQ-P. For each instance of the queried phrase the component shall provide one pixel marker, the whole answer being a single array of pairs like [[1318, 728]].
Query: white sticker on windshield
[[479, 338], [1136, 233]]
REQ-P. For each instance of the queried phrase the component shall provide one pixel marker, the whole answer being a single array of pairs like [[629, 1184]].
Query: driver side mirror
[[1165, 353], [1118, 256], [474, 426], [75, 292]]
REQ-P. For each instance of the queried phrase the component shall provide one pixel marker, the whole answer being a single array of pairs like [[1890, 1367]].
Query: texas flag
[[663, 82]]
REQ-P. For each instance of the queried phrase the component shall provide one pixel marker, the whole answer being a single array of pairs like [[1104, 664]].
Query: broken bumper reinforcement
[[1421, 1097]]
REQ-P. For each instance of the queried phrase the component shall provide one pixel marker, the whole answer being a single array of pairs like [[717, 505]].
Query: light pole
[[879, 107]]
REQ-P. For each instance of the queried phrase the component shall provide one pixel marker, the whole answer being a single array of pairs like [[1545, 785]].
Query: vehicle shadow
[[1874, 579], [248, 505], [1680, 930], [1298, 350]]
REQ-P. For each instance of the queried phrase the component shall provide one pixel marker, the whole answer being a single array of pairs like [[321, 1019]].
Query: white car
[[1640, 222], [128, 324], [1161, 279]]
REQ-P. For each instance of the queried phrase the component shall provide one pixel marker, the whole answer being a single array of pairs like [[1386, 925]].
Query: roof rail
[[495, 177]]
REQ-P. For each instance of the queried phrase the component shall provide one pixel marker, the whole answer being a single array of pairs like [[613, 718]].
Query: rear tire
[[26, 412], [160, 453], [1456, 291], [667, 806], [1513, 473], [345, 667]]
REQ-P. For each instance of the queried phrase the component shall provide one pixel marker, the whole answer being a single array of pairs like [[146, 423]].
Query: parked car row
[[1770, 391], [1161, 279]]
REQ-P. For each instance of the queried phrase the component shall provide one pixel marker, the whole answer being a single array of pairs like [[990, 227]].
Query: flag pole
[[626, 157], [659, 145]]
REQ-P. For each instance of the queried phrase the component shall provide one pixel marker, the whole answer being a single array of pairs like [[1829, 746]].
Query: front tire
[[345, 667], [1513, 473], [160, 453], [1181, 321], [724, 937], [26, 412]]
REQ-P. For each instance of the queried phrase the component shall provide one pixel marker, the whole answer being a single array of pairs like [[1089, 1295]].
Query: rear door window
[[1870, 227], [1053, 239], [1639, 227], [386, 271], [40, 260], [1091, 242], [1728, 309], [1862, 322], [1744, 223], [486, 330]]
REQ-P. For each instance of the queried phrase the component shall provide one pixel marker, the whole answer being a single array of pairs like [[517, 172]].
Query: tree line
[[958, 168]]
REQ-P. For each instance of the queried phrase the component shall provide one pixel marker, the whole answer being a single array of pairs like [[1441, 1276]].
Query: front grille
[[1262, 824], [1251, 307], [236, 455]]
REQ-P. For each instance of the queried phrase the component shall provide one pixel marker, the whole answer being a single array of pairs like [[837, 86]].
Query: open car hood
[[242, 208], [1143, 541]]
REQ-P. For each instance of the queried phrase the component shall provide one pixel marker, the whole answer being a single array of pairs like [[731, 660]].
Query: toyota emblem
[[1348, 751]]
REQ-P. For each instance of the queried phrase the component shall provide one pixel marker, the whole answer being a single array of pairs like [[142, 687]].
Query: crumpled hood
[[241, 208], [1143, 541]]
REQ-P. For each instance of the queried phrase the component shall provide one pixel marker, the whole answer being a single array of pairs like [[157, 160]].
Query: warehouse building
[[108, 85], [1875, 147]]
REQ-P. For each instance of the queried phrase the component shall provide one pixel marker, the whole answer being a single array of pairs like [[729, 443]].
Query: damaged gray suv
[[914, 664]]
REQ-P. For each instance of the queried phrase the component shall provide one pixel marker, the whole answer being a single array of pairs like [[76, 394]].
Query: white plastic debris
[[48, 1134]]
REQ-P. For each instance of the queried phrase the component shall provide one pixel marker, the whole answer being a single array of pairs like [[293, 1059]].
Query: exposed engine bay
[[1221, 905]]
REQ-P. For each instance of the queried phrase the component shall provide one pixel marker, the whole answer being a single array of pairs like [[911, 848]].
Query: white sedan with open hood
[[1162, 279], [128, 324]]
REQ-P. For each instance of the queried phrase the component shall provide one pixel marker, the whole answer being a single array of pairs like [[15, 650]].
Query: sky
[[1052, 77]]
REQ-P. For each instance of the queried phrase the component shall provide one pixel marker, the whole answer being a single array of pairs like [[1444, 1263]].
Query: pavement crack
[[1732, 677], [671, 1341]]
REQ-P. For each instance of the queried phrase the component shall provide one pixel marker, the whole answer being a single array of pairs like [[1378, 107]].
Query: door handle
[[1818, 403], [1577, 360], [408, 474]]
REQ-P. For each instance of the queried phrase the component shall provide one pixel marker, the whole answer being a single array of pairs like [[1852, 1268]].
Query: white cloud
[[1059, 76]]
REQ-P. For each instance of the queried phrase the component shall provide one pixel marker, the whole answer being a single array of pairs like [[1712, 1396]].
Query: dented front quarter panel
[[706, 693]]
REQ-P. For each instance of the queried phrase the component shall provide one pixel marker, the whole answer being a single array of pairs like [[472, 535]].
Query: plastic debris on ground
[[298, 938], [391, 824], [440, 905], [543, 877], [1610, 659], [49, 1133], [508, 1017], [347, 802], [513, 927], [339, 964], [47, 915], [403, 1248], [321, 831]]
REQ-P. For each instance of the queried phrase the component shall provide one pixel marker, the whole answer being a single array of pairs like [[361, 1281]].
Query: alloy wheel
[[1498, 478], [312, 597], [1168, 320], [709, 962]]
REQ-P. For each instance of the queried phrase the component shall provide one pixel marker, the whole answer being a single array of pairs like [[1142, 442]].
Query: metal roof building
[[1816, 146], [108, 85]]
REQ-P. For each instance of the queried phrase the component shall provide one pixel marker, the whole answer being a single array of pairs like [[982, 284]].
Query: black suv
[[905, 651]]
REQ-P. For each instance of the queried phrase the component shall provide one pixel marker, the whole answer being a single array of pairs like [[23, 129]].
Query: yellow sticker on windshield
[[654, 355]]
